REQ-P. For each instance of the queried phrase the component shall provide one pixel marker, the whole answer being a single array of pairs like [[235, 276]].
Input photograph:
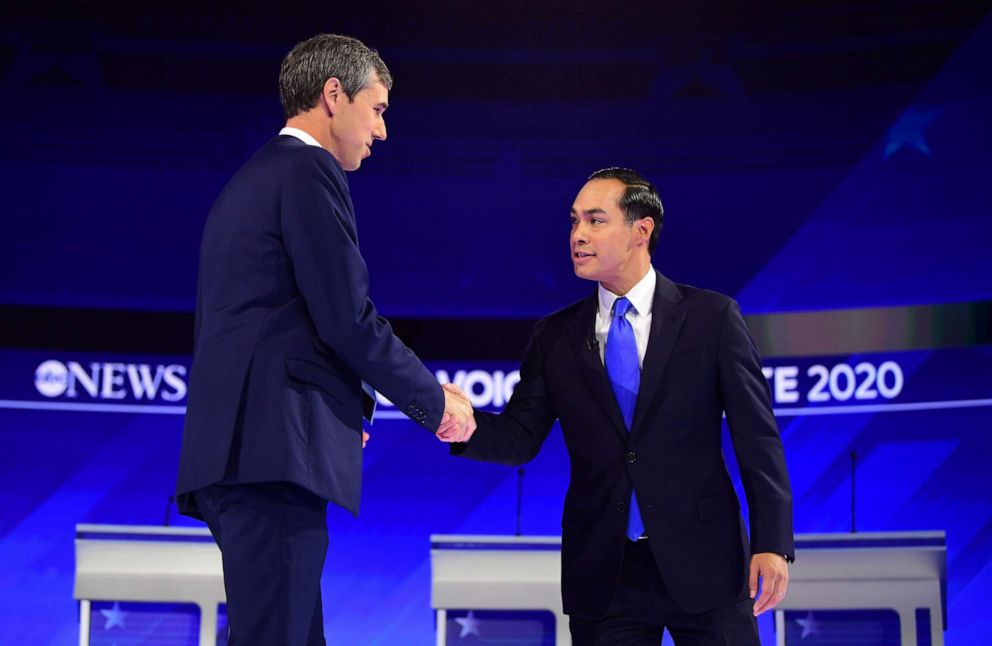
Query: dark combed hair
[[639, 200], [308, 66]]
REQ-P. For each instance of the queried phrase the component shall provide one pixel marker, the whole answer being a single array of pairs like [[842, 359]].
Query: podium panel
[[149, 585]]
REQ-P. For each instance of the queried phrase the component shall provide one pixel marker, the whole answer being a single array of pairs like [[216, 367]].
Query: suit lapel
[[582, 332], [667, 317]]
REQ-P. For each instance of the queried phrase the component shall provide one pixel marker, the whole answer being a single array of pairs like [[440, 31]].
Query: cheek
[[608, 249]]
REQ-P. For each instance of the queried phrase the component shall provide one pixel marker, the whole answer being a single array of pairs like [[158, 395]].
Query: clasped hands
[[458, 420]]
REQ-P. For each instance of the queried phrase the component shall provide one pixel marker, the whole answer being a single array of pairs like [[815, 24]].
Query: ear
[[332, 93], [644, 227]]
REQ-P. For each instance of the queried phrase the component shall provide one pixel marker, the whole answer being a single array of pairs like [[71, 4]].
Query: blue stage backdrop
[[849, 182]]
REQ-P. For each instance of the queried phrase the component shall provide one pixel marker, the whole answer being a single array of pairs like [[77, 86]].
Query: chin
[[583, 273]]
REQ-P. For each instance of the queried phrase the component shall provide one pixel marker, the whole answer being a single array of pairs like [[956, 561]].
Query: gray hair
[[308, 66]]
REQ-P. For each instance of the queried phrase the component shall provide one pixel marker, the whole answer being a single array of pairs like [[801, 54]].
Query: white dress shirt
[[305, 137], [641, 297]]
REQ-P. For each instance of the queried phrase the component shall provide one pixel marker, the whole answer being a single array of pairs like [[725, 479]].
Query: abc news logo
[[111, 381]]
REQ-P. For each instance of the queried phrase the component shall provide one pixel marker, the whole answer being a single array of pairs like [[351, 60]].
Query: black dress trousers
[[273, 540], [642, 609]]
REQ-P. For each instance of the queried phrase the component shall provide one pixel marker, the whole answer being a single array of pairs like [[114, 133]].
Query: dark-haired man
[[639, 375], [286, 339]]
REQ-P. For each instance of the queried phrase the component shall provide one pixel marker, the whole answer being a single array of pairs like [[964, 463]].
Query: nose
[[379, 133], [578, 236]]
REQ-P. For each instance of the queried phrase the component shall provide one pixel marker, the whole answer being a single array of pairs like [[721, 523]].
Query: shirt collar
[[641, 296], [305, 137]]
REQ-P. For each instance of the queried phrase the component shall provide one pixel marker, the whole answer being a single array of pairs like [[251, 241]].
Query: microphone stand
[[520, 496], [854, 460]]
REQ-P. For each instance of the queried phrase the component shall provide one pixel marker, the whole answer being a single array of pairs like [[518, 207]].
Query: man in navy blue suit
[[288, 347], [640, 375]]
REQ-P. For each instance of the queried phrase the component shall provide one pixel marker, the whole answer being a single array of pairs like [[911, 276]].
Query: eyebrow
[[594, 211]]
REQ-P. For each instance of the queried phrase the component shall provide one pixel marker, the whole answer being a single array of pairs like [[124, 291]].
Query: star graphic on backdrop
[[810, 627], [469, 624], [907, 132], [114, 617]]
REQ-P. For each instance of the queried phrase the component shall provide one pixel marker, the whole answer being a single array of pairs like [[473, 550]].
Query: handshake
[[458, 421]]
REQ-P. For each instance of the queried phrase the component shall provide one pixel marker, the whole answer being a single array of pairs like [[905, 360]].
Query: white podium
[[148, 564], [901, 571], [497, 573]]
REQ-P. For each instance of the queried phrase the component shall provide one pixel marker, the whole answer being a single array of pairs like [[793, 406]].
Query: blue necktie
[[625, 375]]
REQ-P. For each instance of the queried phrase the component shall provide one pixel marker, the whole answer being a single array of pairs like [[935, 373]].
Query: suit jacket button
[[632, 457], [621, 507]]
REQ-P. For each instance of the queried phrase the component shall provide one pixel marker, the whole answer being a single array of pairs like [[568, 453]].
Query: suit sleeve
[[755, 436], [321, 240], [515, 436]]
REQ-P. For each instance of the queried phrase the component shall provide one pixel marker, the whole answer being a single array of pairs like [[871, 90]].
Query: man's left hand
[[365, 439], [453, 428], [773, 570]]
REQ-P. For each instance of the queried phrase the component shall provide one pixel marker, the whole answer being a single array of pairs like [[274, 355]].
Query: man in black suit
[[286, 341], [639, 375]]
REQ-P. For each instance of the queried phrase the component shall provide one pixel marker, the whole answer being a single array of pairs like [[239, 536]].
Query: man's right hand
[[458, 421]]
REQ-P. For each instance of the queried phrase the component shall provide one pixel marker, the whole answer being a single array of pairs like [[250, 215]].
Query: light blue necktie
[[625, 375]]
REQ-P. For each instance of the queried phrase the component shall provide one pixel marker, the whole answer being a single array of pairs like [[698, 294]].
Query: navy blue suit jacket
[[285, 334], [700, 362]]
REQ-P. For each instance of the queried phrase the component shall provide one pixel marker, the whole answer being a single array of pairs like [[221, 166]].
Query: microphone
[[593, 344]]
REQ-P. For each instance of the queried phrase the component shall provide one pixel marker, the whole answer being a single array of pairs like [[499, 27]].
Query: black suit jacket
[[700, 361], [285, 334]]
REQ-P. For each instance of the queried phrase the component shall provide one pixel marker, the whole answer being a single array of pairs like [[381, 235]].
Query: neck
[[314, 125], [631, 276]]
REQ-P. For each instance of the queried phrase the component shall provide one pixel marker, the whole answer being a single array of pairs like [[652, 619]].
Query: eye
[[598, 221]]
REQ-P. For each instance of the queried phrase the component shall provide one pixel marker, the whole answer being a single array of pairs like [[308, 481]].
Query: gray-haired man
[[285, 337]]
